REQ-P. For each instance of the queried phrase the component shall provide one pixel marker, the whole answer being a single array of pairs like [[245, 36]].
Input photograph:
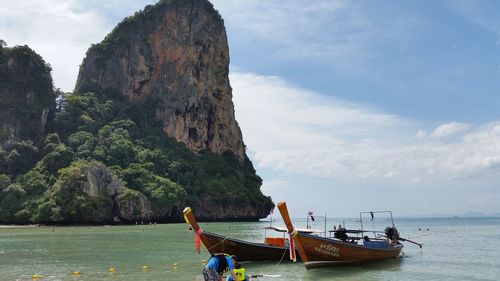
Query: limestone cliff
[[149, 129], [176, 51], [26, 95]]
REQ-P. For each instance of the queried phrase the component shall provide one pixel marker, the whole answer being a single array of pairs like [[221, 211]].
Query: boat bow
[[292, 231]]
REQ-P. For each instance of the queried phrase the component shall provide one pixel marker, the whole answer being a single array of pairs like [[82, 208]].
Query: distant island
[[148, 130], [461, 215]]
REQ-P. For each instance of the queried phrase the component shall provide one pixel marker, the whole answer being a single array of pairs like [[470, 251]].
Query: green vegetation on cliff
[[113, 135]]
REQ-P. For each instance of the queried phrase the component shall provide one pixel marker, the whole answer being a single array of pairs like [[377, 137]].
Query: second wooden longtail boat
[[273, 248], [316, 251]]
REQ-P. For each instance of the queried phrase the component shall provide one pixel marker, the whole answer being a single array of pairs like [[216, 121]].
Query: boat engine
[[340, 234], [392, 233]]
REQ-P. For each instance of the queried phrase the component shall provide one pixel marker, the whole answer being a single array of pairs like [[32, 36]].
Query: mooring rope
[[222, 241], [281, 260]]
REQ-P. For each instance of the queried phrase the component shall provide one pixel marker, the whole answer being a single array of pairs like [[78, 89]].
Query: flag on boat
[[311, 215]]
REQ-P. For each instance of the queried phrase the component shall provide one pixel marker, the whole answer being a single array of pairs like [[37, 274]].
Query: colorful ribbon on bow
[[293, 256], [197, 240]]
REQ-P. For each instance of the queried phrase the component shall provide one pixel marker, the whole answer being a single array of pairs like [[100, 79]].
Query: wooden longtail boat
[[316, 251], [273, 249]]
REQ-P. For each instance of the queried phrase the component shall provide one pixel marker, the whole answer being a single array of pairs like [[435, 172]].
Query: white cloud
[[343, 33], [421, 134], [485, 200], [297, 116], [293, 130], [449, 129], [332, 30], [54, 30], [483, 14], [61, 31]]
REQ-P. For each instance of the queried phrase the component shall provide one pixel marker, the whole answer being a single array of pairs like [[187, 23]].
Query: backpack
[[221, 261]]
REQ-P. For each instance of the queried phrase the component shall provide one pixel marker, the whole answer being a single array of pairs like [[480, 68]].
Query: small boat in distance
[[273, 248], [316, 251]]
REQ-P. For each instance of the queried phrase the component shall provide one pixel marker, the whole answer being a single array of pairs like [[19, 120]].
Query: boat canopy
[[283, 229]]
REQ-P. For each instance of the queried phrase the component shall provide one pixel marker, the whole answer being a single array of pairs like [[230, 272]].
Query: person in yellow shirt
[[240, 273]]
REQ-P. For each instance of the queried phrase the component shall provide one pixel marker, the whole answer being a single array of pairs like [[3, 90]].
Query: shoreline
[[19, 226]]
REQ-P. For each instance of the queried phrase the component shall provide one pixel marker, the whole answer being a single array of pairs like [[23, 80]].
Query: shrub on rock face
[[133, 206], [83, 192], [13, 197], [18, 157], [61, 157], [34, 183], [47, 212]]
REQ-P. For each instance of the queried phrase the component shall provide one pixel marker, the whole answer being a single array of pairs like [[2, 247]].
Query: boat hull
[[325, 252], [245, 251]]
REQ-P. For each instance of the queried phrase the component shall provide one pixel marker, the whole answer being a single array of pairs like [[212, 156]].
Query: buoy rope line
[[144, 268]]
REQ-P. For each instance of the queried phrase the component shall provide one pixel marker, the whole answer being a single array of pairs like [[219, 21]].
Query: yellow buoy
[[145, 267], [75, 273], [36, 276], [111, 269], [175, 264], [203, 261]]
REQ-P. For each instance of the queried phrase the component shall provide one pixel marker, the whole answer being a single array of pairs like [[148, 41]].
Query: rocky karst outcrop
[[89, 192], [176, 51], [208, 210], [26, 95], [149, 129]]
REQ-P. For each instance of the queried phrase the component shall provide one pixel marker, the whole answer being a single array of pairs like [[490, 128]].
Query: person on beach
[[217, 265], [240, 273]]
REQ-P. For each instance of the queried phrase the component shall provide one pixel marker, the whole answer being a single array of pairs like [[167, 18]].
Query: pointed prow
[[291, 230], [286, 217], [190, 219]]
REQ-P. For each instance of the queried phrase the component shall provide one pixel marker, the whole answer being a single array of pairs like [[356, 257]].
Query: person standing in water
[[217, 265]]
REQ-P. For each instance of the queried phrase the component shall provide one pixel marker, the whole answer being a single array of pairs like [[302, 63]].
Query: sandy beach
[[19, 226]]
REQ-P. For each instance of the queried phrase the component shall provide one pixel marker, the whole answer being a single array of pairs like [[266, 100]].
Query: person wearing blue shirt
[[218, 264]]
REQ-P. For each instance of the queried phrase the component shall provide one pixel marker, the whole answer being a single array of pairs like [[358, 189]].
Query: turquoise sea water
[[454, 249]]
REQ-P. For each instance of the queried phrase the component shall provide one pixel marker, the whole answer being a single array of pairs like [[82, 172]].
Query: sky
[[344, 106]]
